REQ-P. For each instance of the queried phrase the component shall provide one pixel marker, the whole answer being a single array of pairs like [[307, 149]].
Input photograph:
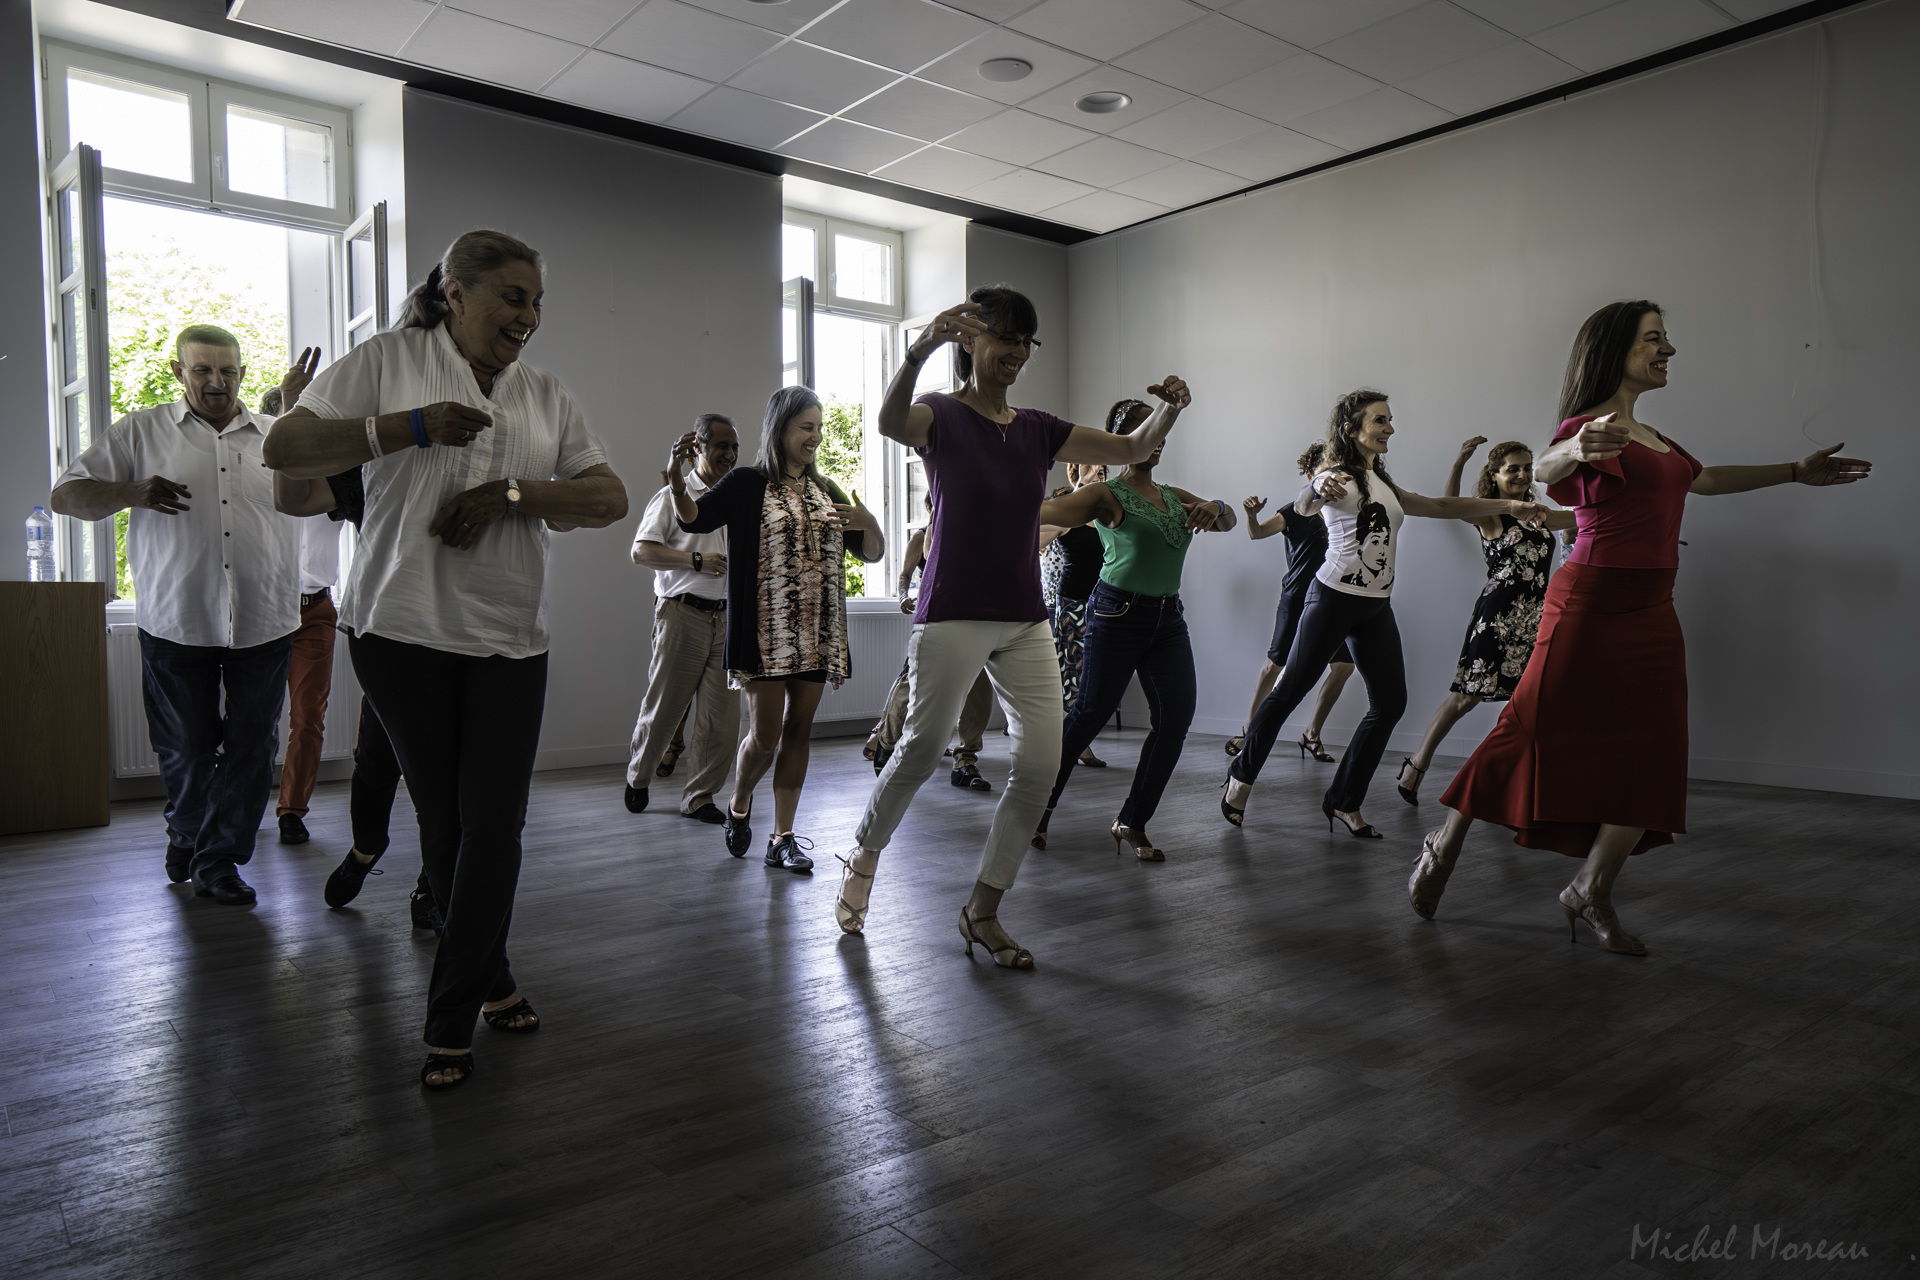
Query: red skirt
[[1597, 729]]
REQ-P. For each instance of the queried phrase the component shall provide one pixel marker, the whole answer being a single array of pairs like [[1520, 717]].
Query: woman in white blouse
[[469, 459]]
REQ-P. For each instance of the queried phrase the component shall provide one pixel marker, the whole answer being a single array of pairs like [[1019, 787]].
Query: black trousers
[[1366, 625], [376, 777], [465, 731]]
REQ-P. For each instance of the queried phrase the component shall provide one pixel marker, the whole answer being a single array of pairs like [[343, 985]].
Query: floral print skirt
[[1070, 642]]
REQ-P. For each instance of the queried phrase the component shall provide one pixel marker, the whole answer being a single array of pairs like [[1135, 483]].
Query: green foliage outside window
[[151, 297], [842, 458]]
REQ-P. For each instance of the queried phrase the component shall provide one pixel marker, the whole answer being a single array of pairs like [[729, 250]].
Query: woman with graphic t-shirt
[[980, 602], [1351, 601], [1589, 758]]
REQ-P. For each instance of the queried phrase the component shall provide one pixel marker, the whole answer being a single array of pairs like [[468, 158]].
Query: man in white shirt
[[689, 637], [214, 572]]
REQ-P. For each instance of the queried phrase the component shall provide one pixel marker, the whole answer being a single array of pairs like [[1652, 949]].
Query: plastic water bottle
[[40, 566]]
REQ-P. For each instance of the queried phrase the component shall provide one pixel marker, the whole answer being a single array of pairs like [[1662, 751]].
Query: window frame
[[828, 246], [207, 101]]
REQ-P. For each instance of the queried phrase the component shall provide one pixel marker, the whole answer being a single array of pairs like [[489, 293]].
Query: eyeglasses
[[1030, 342]]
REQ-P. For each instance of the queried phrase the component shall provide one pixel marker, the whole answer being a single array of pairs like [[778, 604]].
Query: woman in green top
[[1135, 623]]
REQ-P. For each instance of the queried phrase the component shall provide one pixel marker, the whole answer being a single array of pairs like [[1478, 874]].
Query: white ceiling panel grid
[[989, 100]]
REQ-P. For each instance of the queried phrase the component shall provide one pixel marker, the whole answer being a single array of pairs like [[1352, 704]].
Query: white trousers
[[943, 660]]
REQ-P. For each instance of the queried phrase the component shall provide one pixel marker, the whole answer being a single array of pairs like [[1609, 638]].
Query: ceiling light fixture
[[1104, 103], [766, 1], [1005, 69]]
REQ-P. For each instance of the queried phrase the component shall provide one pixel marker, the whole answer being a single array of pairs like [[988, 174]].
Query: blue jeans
[[217, 762], [1129, 633]]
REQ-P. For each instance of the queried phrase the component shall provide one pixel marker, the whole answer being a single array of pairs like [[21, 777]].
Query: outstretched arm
[[1258, 528], [900, 418], [1414, 504], [1106, 449], [1819, 468], [1460, 464], [1085, 504]]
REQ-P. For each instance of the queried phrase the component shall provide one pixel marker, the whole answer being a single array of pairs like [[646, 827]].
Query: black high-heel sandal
[[502, 1019], [1233, 816], [1410, 794], [1310, 746], [1236, 742], [443, 1062], [668, 760], [1364, 831]]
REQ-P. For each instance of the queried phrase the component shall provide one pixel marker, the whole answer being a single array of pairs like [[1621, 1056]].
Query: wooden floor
[[1253, 1060]]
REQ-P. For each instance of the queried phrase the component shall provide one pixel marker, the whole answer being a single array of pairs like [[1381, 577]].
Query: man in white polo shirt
[[689, 637], [215, 574]]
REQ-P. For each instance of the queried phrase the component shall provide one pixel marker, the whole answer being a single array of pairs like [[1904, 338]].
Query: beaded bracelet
[[1793, 473], [418, 419], [373, 439]]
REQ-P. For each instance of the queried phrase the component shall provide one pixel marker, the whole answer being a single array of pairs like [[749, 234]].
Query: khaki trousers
[[687, 665], [309, 681], [973, 719]]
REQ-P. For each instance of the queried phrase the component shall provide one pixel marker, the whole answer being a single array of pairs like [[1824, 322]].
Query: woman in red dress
[[1589, 758]]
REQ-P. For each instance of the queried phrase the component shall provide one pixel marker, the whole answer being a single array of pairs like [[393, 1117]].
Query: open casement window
[[364, 268], [82, 385], [167, 136]]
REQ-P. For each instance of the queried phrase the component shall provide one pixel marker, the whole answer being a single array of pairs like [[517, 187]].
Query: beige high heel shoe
[[852, 919], [1138, 839], [1601, 918], [1429, 878], [1007, 957]]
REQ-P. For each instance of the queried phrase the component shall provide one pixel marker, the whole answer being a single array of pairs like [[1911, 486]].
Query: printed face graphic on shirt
[[1374, 534]]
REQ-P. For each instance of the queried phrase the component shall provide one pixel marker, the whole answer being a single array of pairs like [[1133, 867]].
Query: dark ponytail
[[470, 259]]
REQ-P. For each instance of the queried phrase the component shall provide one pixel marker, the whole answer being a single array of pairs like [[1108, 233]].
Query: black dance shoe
[[636, 799], [343, 886], [179, 862], [709, 813], [228, 890], [880, 757], [739, 832], [784, 851], [292, 830], [424, 911], [968, 776]]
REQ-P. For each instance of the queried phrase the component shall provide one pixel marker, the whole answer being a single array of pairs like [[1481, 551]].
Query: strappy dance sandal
[[1364, 831], [1429, 878], [1039, 840], [1410, 794], [1310, 746], [1236, 742], [1138, 839], [503, 1019], [851, 919], [668, 761], [1233, 816], [446, 1062], [1008, 957]]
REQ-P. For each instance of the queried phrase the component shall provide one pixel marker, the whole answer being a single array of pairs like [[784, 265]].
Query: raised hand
[[296, 379], [1467, 447], [950, 325], [1172, 391], [1331, 486], [1253, 507], [453, 423], [1531, 514], [685, 450], [1821, 468], [157, 493], [1601, 439], [855, 515]]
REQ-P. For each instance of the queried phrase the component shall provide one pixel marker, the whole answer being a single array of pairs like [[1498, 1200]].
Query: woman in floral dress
[[1507, 614]]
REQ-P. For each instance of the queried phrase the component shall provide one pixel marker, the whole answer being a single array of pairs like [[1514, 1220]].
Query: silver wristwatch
[[513, 497]]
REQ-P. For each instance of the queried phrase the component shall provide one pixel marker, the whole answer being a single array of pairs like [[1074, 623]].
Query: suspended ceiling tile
[[1293, 88], [786, 17], [1414, 42], [1025, 191], [1182, 184], [817, 79], [1148, 97], [922, 110], [1207, 54], [1269, 154], [1018, 138], [577, 21], [1104, 162], [1486, 79], [378, 26], [625, 88], [992, 10], [1368, 121], [961, 68], [846, 145], [745, 118], [482, 49], [1748, 10], [1311, 23], [902, 34], [1192, 126], [1628, 31], [1104, 28], [1104, 211], [1524, 17], [683, 38], [941, 169]]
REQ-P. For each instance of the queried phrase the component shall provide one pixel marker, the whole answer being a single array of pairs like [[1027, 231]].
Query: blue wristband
[[418, 418]]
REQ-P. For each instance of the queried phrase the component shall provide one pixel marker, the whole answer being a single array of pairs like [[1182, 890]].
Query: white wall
[[1039, 270], [662, 302], [1764, 195], [380, 173]]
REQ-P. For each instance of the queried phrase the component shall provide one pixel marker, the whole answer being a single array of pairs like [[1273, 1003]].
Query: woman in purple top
[[980, 602]]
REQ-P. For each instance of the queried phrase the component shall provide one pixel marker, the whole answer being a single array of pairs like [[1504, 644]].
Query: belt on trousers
[[701, 602], [316, 597], [1137, 597]]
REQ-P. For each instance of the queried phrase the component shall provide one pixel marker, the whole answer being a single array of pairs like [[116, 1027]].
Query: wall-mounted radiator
[[877, 643]]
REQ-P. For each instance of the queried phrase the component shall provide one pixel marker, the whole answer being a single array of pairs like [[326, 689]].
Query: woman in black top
[[1070, 561], [1306, 549], [788, 529]]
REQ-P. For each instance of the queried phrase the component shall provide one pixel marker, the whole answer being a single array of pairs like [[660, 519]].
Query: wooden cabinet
[[54, 745]]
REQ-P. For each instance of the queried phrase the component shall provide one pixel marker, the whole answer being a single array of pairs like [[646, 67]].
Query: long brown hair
[[1489, 487], [1599, 358], [1342, 454]]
